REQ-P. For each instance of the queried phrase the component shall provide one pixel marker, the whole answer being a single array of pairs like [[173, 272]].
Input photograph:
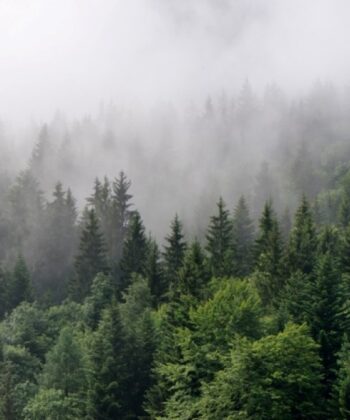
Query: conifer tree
[[121, 213], [219, 242], [194, 274], [173, 254], [268, 275], [58, 248], [154, 272], [107, 394], [91, 258], [134, 252], [341, 391], [20, 287], [302, 241], [243, 237], [344, 211]]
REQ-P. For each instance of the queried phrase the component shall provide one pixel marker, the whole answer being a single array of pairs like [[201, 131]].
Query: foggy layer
[[71, 55]]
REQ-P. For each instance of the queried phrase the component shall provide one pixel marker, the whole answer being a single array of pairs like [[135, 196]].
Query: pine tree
[[194, 275], [4, 294], [108, 358], [345, 252], [154, 272], [341, 391], [20, 287], [219, 242], [173, 254], [121, 214], [91, 258], [243, 236], [59, 247], [134, 252], [302, 242]]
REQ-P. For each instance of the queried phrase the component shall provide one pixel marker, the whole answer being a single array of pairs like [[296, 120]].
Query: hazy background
[[192, 98], [73, 54]]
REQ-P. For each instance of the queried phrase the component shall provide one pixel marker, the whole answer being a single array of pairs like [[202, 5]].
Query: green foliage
[[20, 287], [52, 404], [243, 237], [220, 241], [91, 258], [107, 392], [102, 294], [134, 252], [302, 241], [269, 276], [174, 252], [276, 377], [194, 274]]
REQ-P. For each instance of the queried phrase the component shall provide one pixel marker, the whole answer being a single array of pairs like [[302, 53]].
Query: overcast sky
[[73, 54]]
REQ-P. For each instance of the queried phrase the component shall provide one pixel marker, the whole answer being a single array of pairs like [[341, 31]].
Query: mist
[[72, 56], [190, 99]]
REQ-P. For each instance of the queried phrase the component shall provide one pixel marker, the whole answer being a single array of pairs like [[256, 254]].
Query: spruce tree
[[20, 287], [134, 252], [58, 248], [173, 254], [302, 241], [91, 258], [269, 276], [219, 242], [243, 237], [154, 272], [108, 373], [121, 214], [194, 274]]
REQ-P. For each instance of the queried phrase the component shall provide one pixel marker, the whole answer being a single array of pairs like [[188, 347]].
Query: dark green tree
[[91, 258], [173, 254], [154, 272], [302, 242], [20, 287], [269, 276], [121, 214], [107, 393], [134, 252], [219, 242], [243, 238], [194, 274]]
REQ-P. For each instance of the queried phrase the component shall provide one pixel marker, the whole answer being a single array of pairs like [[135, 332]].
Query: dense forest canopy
[[175, 240]]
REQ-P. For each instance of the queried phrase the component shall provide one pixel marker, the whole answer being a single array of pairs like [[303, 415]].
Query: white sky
[[72, 54]]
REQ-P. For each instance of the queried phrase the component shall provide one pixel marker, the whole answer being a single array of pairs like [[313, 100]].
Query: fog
[[71, 55], [190, 98]]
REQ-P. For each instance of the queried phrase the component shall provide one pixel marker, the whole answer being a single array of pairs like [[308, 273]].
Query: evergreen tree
[[121, 213], [108, 372], [102, 294], [194, 274], [219, 242], [341, 392], [173, 254], [345, 252], [138, 324], [302, 242], [269, 277], [134, 252], [4, 294], [243, 236], [59, 247], [20, 287], [154, 272], [91, 258]]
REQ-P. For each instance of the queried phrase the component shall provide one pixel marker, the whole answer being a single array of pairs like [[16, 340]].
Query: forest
[[245, 315], [174, 210]]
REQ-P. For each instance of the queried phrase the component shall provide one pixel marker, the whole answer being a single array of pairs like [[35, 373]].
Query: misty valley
[[174, 210]]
